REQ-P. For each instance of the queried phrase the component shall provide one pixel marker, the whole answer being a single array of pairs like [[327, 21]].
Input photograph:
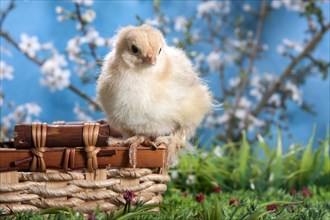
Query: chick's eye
[[134, 49], [160, 50]]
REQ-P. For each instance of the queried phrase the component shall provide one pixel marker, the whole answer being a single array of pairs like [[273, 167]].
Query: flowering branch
[[83, 23], [311, 45], [74, 89]]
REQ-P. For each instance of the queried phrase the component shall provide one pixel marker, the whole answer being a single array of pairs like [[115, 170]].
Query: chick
[[149, 89]]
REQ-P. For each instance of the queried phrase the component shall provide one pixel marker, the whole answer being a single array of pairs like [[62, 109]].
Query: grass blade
[[277, 167], [307, 160], [243, 163], [326, 165]]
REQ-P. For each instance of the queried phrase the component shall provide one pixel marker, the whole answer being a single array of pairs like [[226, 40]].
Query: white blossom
[[29, 45], [191, 179], [241, 114], [225, 6], [73, 45], [99, 41], [83, 69], [209, 121], [292, 147], [73, 50], [218, 152], [280, 49], [152, 22], [233, 82], [180, 23], [276, 4], [208, 7], [57, 80], [250, 34], [79, 26], [295, 92], [198, 60], [252, 186], [22, 114], [81, 116], [295, 5], [275, 99], [290, 5], [222, 119], [204, 155], [55, 62], [47, 46], [269, 77], [264, 47], [110, 42], [256, 93], [229, 58], [247, 7], [296, 46], [214, 61], [312, 25], [254, 122], [255, 81], [196, 35], [89, 15], [174, 174], [33, 109], [239, 44], [91, 35], [6, 71], [59, 10], [175, 40], [244, 103], [61, 18], [84, 2]]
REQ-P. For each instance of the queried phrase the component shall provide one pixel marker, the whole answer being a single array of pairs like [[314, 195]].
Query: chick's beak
[[150, 59]]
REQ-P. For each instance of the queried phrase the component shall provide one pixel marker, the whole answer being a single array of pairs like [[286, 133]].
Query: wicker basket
[[81, 178]]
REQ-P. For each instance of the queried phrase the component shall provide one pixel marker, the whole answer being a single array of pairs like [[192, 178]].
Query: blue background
[[39, 18]]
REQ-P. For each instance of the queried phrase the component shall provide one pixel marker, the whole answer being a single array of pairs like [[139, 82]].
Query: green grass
[[216, 205], [241, 167]]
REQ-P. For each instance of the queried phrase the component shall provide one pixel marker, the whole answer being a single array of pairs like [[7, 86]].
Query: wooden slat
[[63, 135], [146, 158]]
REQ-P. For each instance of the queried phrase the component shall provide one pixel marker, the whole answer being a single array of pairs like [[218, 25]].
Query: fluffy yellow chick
[[149, 89]]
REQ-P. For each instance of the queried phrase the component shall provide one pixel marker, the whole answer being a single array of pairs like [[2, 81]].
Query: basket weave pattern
[[35, 191]]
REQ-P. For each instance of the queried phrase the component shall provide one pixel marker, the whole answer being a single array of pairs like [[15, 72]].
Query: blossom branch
[[245, 76], [74, 89], [83, 29], [288, 71], [15, 44]]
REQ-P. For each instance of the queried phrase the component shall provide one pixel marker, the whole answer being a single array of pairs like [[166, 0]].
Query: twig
[[40, 63], [5, 12], [311, 45]]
